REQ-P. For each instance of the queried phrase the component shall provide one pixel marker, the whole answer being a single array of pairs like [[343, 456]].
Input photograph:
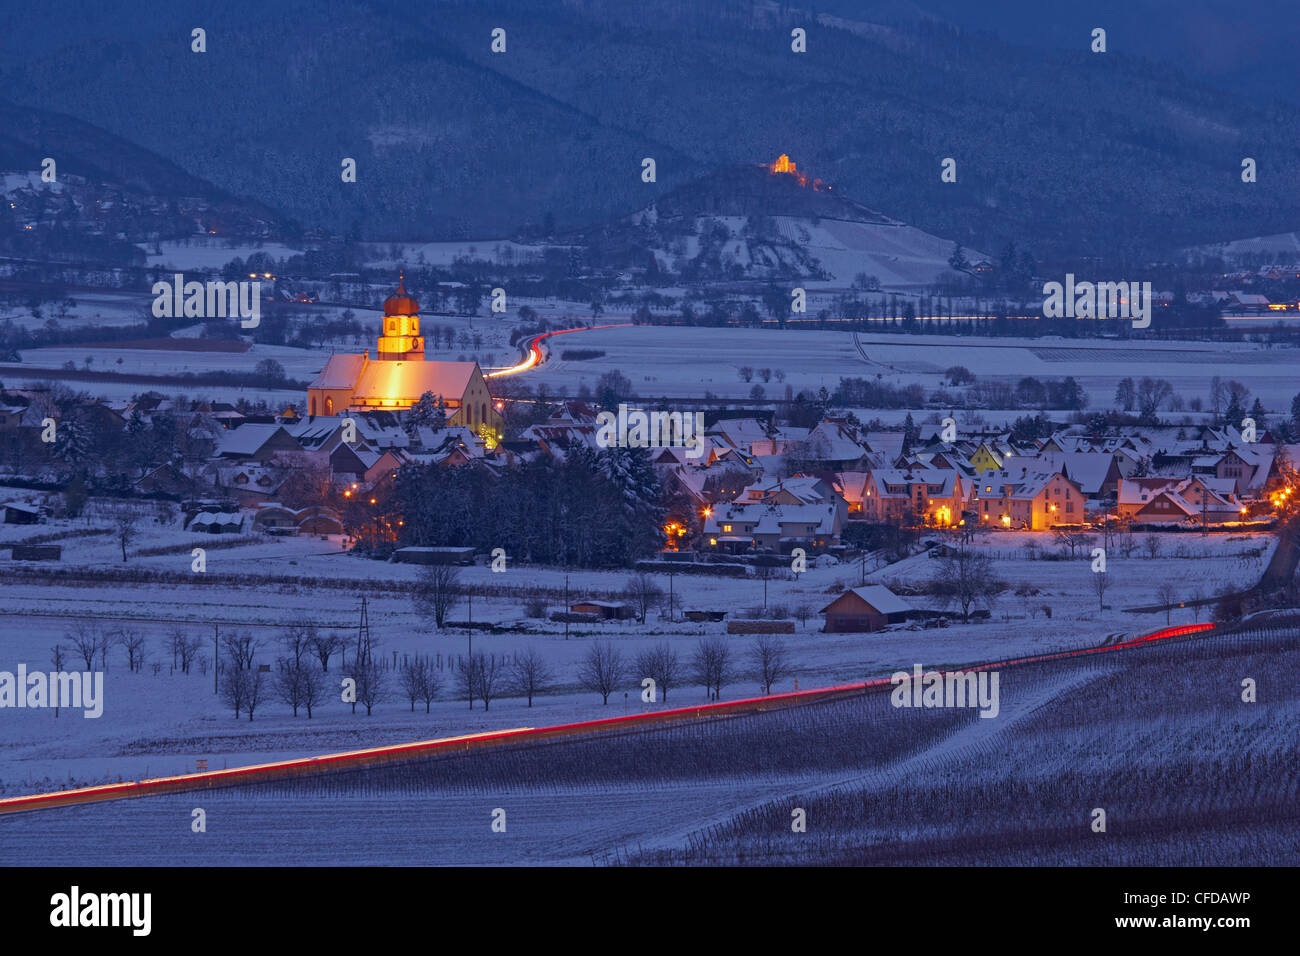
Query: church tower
[[401, 340]]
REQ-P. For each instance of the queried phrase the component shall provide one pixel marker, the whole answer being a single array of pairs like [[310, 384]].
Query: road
[[534, 355]]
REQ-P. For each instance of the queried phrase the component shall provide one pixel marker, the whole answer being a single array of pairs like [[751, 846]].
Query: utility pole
[[216, 659], [363, 635], [566, 607]]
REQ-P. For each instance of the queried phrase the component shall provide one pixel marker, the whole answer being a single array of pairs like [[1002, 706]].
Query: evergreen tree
[[428, 410], [911, 434], [1257, 413], [1234, 412]]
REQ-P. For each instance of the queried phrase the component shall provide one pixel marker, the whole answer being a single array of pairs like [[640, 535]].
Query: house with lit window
[[1027, 500], [933, 496], [1201, 499], [739, 526], [399, 374]]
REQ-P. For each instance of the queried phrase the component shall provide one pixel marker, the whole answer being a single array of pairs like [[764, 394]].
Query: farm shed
[[216, 522], [606, 610], [863, 609], [37, 552], [460, 556], [700, 617], [760, 627], [15, 512]]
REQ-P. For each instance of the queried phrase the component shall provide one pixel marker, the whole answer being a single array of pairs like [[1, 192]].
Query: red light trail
[[258, 773]]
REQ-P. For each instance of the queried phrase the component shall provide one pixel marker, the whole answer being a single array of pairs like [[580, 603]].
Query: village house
[[254, 442], [739, 526], [1029, 501], [1161, 500], [926, 496]]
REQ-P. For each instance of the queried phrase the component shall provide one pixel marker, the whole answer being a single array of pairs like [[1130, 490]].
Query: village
[[416, 461]]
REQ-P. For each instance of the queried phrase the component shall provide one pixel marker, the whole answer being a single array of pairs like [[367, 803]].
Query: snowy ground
[[889, 785], [680, 361], [158, 723], [677, 361]]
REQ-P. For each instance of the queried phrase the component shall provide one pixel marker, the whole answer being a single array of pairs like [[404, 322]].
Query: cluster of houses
[[805, 484], [755, 486]]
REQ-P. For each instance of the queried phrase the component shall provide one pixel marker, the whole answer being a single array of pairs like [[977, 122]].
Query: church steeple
[[400, 340]]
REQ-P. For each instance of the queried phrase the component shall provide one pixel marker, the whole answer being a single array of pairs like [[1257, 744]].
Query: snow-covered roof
[[879, 597]]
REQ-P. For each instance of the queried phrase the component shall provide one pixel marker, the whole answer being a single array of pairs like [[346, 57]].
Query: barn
[[606, 610], [16, 512], [867, 608]]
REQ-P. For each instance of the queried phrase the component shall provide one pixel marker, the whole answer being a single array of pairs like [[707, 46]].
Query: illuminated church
[[399, 374]]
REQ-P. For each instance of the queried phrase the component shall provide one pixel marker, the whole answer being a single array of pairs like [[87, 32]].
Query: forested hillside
[[1066, 152]]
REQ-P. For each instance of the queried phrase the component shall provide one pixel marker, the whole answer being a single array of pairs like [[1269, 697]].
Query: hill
[[1064, 151], [106, 195], [769, 221]]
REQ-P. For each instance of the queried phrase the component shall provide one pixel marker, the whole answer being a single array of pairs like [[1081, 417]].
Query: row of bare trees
[[605, 668], [91, 642]]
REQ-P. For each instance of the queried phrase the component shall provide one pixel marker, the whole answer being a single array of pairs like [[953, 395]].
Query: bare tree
[[770, 662], [1127, 541], [602, 670], [289, 683], [1152, 545], [175, 638], [712, 665], [644, 594], [965, 577], [1167, 595], [56, 658], [660, 664], [234, 687], [802, 613], [312, 687], [1073, 539], [467, 678], [240, 647], [87, 638], [325, 644], [1100, 581], [531, 674], [126, 528], [436, 591], [370, 682], [256, 684], [298, 642], [492, 677], [415, 674], [189, 649], [133, 641]]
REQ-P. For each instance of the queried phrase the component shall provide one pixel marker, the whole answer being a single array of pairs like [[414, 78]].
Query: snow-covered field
[[157, 723], [1148, 735], [693, 361]]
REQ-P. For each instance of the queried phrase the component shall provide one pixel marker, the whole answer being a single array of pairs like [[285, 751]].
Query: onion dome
[[399, 303]]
